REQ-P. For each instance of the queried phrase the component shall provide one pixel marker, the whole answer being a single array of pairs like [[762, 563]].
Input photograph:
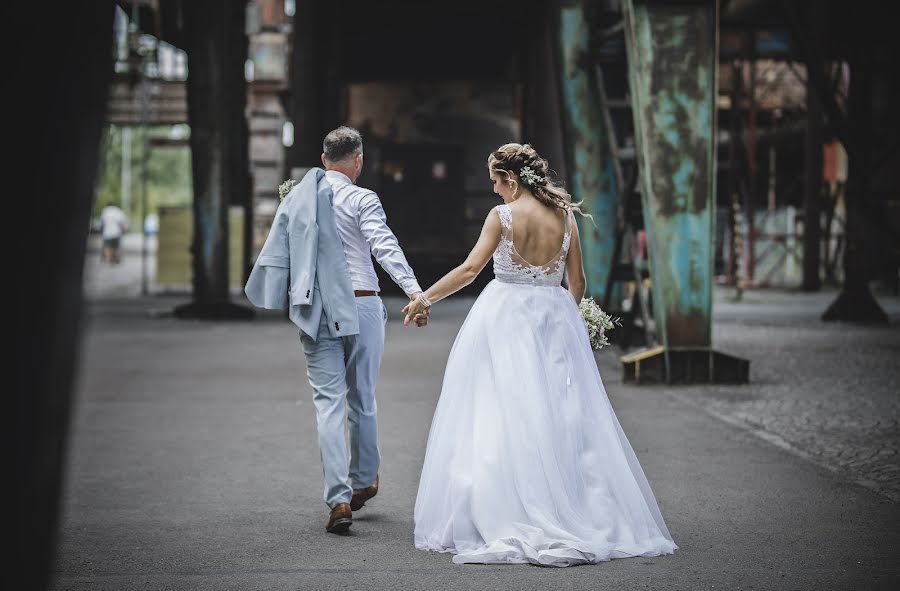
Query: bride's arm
[[464, 274], [574, 266]]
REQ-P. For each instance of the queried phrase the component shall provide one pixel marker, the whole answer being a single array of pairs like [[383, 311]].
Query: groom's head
[[342, 151]]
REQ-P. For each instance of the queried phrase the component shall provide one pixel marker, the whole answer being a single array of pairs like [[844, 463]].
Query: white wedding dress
[[526, 461]]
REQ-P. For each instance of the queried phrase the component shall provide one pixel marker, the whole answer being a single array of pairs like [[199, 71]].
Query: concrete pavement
[[103, 279], [193, 461]]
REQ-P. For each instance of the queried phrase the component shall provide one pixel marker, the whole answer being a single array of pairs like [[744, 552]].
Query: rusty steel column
[[542, 112], [814, 38], [305, 73], [672, 55], [217, 90], [855, 302], [589, 160], [812, 207]]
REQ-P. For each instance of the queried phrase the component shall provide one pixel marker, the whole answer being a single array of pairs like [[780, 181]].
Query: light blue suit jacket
[[302, 264]]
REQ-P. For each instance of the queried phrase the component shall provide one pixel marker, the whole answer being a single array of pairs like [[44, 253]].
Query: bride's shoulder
[[500, 213]]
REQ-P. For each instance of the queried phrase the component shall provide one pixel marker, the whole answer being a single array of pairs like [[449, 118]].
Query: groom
[[319, 256]]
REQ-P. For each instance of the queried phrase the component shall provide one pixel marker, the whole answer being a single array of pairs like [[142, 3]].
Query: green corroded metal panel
[[592, 176], [672, 54]]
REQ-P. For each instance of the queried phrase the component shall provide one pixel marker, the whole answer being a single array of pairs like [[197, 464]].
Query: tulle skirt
[[526, 460]]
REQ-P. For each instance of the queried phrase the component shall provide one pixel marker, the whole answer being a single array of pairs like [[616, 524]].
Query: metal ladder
[[610, 41]]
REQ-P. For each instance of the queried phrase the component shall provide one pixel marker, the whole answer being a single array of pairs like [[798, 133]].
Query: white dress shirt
[[113, 222], [362, 225]]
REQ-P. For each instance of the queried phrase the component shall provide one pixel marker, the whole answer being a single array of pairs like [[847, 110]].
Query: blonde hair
[[508, 161]]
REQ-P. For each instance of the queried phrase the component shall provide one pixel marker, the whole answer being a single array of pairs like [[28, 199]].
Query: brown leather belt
[[360, 293]]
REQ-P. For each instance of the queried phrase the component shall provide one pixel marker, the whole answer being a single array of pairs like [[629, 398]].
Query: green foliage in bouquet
[[597, 322]]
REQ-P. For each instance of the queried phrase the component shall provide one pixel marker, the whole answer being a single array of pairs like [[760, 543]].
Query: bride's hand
[[416, 311], [414, 306], [422, 319]]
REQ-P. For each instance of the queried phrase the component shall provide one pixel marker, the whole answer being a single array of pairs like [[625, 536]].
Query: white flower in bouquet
[[597, 322], [285, 188]]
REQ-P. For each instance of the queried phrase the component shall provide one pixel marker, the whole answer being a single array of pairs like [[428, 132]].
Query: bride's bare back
[[538, 230]]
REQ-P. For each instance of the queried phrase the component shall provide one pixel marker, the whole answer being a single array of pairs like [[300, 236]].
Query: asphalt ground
[[193, 460]]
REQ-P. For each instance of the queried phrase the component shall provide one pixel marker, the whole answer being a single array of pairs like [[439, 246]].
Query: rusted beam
[[752, 172], [672, 56], [855, 302], [543, 118], [812, 225], [305, 79], [217, 90], [167, 103], [590, 162], [813, 37]]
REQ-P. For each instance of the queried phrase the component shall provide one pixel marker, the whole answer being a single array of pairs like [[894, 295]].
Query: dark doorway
[[422, 188]]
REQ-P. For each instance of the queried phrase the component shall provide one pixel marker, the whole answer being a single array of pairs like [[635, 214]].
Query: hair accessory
[[529, 177]]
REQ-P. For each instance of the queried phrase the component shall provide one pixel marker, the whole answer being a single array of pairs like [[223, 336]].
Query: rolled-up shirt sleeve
[[384, 245]]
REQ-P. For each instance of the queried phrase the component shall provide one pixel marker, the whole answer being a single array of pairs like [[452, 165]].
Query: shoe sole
[[354, 507], [340, 526]]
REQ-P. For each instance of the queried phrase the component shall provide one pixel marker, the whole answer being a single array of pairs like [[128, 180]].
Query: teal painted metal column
[[672, 56], [591, 168]]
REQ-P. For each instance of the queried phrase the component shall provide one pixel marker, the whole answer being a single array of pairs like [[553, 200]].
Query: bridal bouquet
[[285, 188], [597, 322]]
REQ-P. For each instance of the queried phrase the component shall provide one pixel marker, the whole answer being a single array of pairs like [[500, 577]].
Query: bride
[[526, 461]]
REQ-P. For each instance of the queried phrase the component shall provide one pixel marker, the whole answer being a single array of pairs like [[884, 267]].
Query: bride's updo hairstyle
[[521, 166]]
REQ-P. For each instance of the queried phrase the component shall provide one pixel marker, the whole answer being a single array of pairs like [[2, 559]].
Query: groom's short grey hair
[[341, 143]]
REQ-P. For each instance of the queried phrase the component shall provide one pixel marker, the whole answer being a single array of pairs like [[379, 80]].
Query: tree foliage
[[168, 172]]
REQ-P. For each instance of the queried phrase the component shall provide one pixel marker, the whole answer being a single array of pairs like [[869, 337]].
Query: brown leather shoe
[[340, 519], [361, 495]]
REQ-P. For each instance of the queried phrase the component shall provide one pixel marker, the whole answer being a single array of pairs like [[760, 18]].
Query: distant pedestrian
[[113, 224]]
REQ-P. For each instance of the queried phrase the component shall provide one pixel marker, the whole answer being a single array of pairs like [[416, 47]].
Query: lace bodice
[[510, 267]]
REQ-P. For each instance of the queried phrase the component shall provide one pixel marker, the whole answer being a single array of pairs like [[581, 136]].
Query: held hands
[[416, 311]]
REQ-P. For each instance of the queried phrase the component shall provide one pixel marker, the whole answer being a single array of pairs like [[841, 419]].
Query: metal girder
[[590, 163], [672, 55], [216, 97], [166, 103], [672, 65]]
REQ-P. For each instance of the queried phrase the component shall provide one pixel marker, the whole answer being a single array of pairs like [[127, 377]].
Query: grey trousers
[[343, 373]]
